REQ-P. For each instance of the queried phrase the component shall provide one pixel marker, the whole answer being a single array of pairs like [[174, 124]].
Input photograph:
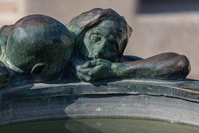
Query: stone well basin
[[127, 101]]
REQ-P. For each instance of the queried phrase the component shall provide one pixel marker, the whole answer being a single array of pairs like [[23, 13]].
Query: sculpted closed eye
[[96, 38]]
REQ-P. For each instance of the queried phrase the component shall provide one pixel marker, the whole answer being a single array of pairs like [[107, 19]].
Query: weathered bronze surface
[[90, 48], [37, 48], [101, 37], [42, 64]]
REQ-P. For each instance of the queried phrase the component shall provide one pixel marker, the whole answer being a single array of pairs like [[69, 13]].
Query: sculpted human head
[[101, 33], [39, 45]]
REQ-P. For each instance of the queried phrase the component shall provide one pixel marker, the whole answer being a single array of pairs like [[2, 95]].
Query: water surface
[[98, 126]]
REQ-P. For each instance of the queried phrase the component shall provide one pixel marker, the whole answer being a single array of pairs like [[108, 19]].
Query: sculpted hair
[[85, 21]]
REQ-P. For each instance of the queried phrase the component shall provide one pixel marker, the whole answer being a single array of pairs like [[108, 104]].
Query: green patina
[[38, 48]]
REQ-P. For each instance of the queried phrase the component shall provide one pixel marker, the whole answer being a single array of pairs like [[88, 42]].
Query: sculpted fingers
[[84, 71], [83, 77], [85, 65], [90, 74], [96, 70]]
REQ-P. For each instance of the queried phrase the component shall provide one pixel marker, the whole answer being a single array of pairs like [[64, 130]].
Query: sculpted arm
[[163, 66]]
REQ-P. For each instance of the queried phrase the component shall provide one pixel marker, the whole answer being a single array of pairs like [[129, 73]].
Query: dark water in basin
[[98, 126]]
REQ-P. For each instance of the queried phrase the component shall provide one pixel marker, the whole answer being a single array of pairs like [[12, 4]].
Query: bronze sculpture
[[102, 35], [39, 48]]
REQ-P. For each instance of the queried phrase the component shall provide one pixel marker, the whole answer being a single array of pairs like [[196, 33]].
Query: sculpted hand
[[94, 70]]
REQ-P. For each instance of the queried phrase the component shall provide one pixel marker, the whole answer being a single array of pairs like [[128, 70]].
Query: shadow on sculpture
[[39, 48]]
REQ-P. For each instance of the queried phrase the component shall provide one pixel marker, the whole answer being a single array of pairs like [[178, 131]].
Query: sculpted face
[[103, 41]]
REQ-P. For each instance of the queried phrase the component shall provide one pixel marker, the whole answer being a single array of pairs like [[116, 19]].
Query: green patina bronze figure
[[101, 37], [38, 48], [35, 48]]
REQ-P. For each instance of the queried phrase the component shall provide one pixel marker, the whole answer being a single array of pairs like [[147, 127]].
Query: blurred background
[[158, 25]]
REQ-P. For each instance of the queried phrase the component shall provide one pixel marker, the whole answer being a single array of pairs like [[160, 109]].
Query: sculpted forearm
[[163, 66]]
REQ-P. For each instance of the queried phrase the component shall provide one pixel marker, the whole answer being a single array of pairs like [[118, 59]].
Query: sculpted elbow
[[183, 63]]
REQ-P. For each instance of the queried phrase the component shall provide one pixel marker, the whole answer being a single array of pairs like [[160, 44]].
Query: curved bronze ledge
[[162, 100]]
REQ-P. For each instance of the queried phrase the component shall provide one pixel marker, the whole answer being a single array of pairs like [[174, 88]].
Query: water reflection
[[98, 126]]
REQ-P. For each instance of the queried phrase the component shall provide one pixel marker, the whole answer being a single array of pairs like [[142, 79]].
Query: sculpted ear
[[38, 69]]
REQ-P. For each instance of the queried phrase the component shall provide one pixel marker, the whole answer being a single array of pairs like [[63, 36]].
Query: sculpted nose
[[38, 69], [98, 53], [100, 50]]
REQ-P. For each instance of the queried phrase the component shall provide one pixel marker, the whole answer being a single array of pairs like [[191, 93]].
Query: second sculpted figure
[[101, 37], [34, 49]]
